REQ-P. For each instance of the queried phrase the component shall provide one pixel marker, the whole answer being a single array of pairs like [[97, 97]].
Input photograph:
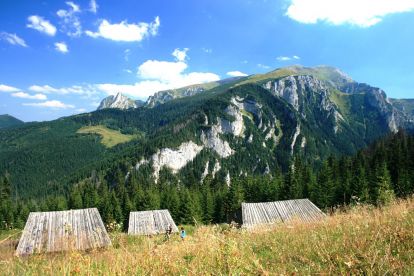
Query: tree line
[[375, 176]]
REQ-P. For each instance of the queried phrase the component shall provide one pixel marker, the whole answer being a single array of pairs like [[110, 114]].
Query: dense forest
[[375, 175]]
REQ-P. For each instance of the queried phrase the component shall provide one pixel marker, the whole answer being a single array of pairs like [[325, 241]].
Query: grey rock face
[[118, 101], [377, 99], [293, 88], [168, 95]]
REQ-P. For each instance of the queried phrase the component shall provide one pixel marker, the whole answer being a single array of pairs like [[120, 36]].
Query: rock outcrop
[[174, 159], [119, 101]]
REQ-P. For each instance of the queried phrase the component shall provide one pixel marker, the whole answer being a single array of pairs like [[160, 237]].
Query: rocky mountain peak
[[119, 101]]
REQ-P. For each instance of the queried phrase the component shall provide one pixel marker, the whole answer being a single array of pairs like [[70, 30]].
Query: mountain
[[119, 101], [168, 95], [405, 106], [253, 125], [9, 121]]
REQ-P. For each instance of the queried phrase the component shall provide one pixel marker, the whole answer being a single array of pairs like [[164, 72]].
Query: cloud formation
[[7, 88], [180, 55], [13, 39], [93, 6], [24, 95], [362, 13], [51, 104], [286, 58], [70, 22], [40, 24], [61, 47], [158, 75], [236, 74], [126, 32]]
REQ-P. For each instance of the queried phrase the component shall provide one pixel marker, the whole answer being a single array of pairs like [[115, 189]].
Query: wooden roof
[[63, 230], [150, 222], [279, 211]]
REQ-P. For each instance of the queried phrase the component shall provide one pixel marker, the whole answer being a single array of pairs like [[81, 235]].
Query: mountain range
[[250, 125]]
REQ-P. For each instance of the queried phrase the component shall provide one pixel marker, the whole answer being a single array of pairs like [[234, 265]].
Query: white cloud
[[286, 58], [24, 95], [42, 25], [51, 104], [180, 55], [263, 66], [283, 58], [93, 6], [87, 90], [126, 32], [161, 70], [13, 39], [61, 47], [236, 74], [362, 13], [70, 22], [158, 75], [6, 88]]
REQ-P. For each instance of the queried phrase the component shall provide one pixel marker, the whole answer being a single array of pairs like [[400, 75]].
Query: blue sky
[[60, 58]]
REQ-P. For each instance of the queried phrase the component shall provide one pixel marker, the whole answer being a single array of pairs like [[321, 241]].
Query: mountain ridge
[[248, 126]]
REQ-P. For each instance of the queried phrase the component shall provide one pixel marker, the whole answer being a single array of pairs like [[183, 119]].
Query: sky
[[59, 58]]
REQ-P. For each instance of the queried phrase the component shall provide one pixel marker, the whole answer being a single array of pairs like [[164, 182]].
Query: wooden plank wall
[[62, 231], [150, 222], [280, 211]]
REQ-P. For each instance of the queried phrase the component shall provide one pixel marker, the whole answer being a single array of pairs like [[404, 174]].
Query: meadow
[[110, 137], [356, 240]]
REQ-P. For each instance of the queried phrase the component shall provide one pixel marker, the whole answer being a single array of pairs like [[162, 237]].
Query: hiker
[[168, 231], [182, 233]]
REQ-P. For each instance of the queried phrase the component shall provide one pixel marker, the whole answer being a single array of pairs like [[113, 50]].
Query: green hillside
[[9, 121]]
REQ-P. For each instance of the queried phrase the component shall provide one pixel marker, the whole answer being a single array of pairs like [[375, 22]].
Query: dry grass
[[362, 240]]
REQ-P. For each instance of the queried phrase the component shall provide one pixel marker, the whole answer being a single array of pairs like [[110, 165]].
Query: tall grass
[[361, 240]]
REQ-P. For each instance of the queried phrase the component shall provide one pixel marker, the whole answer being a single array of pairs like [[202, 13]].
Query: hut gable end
[[150, 222], [63, 231]]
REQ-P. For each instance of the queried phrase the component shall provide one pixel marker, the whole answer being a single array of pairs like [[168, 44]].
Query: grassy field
[[362, 240], [110, 137]]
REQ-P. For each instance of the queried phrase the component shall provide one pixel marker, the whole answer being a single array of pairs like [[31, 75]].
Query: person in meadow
[[183, 234], [168, 232]]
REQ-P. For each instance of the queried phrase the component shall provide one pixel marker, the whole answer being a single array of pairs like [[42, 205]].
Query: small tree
[[384, 193]]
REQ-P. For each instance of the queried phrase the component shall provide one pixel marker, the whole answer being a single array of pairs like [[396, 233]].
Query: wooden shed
[[279, 211], [150, 222], [62, 231]]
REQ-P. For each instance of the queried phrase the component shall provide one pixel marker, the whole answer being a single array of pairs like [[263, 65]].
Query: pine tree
[[170, 200], [75, 199], [384, 193], [234, 199], [188, 208], [208, 205]]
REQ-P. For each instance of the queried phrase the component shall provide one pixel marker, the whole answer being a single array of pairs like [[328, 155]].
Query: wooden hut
[[150, 222], [253, 214], [62, 231]]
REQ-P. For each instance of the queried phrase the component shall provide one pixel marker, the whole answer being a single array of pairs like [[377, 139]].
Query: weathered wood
[[62, 231], [150, 222], [279, 211]]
